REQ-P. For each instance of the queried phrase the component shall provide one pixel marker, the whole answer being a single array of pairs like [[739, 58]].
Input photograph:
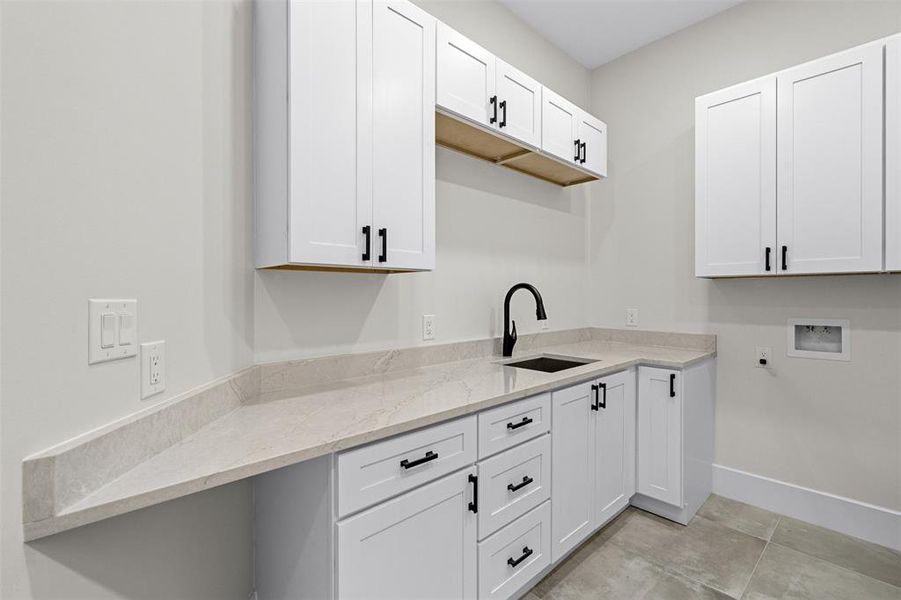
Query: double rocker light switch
[[113, 330]]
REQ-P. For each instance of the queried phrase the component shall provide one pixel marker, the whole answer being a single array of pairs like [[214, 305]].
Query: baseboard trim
[[875, 524]]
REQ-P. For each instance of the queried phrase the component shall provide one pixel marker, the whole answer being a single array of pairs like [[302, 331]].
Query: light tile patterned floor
[[729, 550]]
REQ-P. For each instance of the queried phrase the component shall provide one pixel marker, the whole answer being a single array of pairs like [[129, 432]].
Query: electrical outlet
[[763, 357], [631, 317], [428, 327], [153, 368]]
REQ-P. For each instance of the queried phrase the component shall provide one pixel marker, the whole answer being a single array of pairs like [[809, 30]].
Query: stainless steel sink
[[549, 363]]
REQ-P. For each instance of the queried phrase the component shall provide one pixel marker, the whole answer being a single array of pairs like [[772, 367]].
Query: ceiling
[[595, 32]]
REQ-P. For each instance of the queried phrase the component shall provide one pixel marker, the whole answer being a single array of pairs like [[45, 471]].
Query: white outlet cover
[[631, 317], [428, 327], [153, 368], [116, 349]]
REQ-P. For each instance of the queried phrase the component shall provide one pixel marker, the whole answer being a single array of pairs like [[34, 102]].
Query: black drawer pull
[[672, 385], [596, 401], [474, 505], [503, 122], [584, 153], [525, 481], [603, 404], [525, 421], [367, 232], [526, 553], [578, 151], [768, 252], [409, 464], [785, 258], [493, 102]]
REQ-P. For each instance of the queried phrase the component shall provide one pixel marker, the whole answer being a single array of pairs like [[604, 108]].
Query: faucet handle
[[513, 330]]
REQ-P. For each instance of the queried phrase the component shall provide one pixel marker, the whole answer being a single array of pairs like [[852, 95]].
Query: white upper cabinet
[[592, 139], [475, 84], [327, 209], [559, 126], [789, 170], [893, 154], [345, 102], [660, 434], [519, 105], [830, 164], [466, 77], [735, 179], [572, 135], [403, 136]]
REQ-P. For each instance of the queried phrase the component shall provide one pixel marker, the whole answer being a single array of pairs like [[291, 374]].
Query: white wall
[[126, 167], [835, 427], [125, 161], [495, 228]]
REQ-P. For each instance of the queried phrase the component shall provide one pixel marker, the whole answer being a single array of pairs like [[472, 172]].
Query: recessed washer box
[[828, 339]]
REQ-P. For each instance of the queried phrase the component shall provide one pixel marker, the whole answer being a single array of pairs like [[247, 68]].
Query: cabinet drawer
[[372, 473], [513, 483], [505, 426], [514, 555]]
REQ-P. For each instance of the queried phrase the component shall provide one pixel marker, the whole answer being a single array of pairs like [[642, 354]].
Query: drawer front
[[505, 426], [510, 558], [373, 473], [513, 483]]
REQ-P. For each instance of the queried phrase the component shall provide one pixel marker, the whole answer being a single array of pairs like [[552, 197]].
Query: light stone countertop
[[278, 428]]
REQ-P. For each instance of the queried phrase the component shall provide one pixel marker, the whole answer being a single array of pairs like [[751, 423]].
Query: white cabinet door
[[559, 126], [466, 78], [572, 472], [519, 105], [830, 164], [893, 154], [614, 443], [419, 545], [592, 136], [403, 136], [660, 434], [735, 180], [327, 212]]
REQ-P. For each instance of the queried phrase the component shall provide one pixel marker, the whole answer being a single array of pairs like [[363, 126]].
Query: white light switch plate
[[153, 368], [120, 320]]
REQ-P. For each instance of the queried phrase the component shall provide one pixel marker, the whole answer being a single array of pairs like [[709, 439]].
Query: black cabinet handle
[[578, 150], [672, 385], [603, 404], [367, 231], [503, 122], [383, 233], [474, 505], [525, 481], [584, 152], [409, 464], [785, 258], [526, 553], [525, 421], [594, 390], [493, 102], [768, 252]]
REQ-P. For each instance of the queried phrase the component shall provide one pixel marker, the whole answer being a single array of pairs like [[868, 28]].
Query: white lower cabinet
[[515, 555], [614, 445], [593, 457], [419, 545], [427, 514], [660, 435]]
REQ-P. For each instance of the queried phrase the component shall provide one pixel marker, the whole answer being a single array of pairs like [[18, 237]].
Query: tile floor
[[729, 550]]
